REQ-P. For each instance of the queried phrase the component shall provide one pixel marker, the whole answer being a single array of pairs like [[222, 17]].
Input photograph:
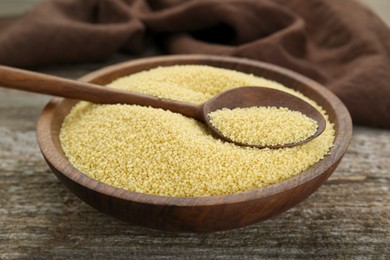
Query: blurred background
[[18, 7]]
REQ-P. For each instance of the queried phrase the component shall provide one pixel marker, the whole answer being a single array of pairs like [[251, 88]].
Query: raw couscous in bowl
[[160, 170]]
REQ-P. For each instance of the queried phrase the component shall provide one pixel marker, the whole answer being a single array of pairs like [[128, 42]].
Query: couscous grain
[[158, 152], [264, 126]]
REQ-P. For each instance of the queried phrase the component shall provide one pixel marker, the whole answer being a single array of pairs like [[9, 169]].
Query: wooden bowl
[[201, 214]]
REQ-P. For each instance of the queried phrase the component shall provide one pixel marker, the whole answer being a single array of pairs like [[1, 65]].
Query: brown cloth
[[341, 44]]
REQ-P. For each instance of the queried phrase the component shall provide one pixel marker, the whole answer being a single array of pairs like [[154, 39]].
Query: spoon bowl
[[244, 97], [200, 214]]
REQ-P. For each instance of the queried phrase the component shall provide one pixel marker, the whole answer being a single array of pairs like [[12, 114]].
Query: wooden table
[[348, 217]]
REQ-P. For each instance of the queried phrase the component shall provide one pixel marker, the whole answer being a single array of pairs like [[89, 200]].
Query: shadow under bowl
[[198, 214]]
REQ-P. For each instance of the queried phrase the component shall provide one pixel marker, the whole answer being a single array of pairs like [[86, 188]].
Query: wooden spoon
[[238, 97]]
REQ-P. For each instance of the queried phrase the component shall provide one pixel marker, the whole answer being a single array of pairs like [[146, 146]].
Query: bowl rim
[[61, 164]]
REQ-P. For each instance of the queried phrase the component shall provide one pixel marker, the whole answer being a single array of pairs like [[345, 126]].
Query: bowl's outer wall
[[191, 218], [226, 214]]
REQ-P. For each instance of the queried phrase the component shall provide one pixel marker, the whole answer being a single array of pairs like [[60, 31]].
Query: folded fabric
[[341, 44]]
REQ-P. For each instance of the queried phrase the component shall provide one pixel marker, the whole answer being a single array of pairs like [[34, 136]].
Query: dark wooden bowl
[[202, 214]]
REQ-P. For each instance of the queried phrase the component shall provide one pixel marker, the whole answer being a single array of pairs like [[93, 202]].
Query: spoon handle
[[51, 85]]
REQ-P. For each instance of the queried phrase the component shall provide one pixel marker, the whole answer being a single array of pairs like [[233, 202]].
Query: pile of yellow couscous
[[263, 126], [154, 151]]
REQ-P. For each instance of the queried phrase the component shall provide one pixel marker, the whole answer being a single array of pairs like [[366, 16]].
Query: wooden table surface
[[348, 217]]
